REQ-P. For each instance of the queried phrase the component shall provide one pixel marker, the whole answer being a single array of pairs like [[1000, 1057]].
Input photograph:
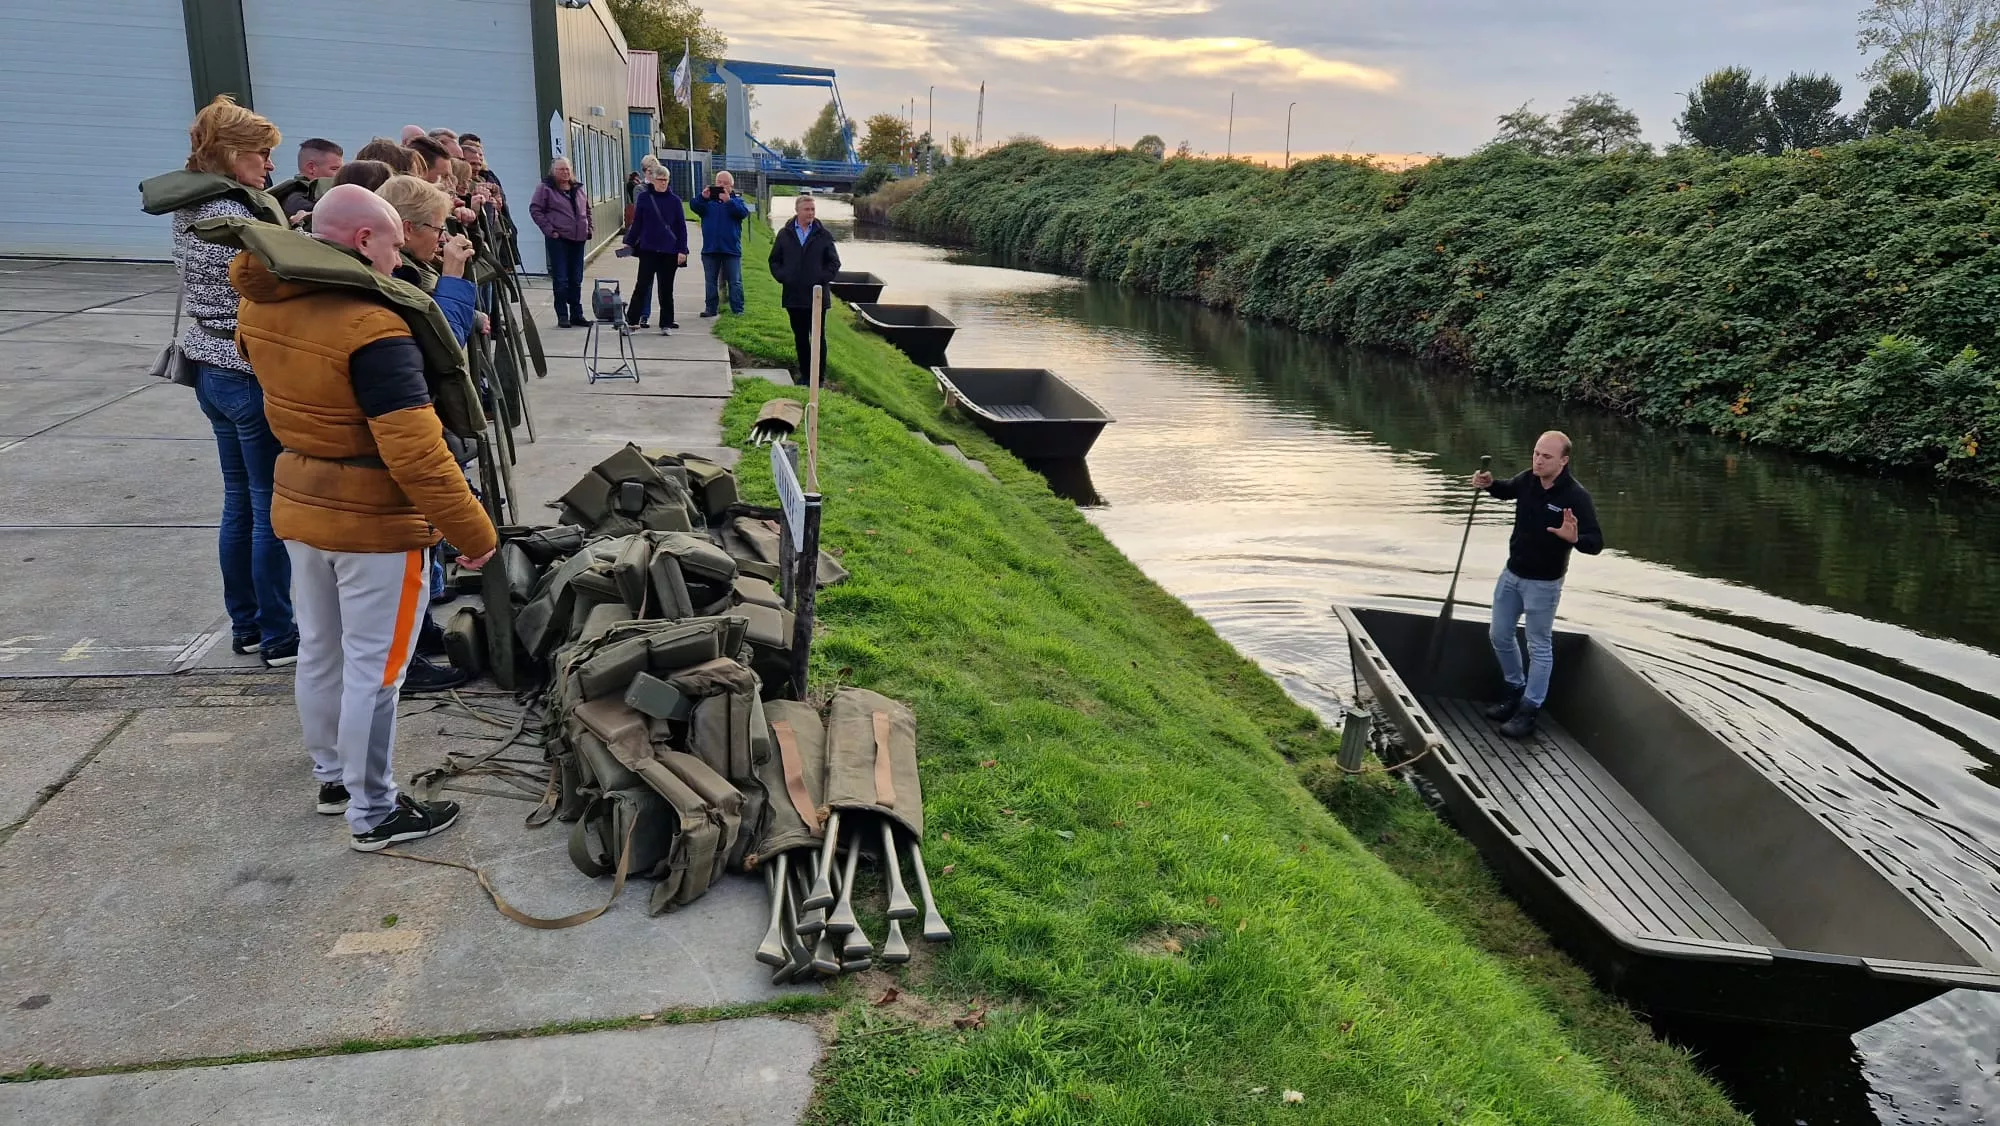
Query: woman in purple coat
[[561, 208], [658, 235]]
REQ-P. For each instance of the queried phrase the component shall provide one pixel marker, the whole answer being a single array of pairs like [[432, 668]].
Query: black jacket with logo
[[1534, 552]]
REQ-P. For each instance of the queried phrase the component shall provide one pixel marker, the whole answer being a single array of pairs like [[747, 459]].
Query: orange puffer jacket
[[347, 481]]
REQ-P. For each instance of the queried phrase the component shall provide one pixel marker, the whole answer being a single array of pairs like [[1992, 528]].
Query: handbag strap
[[180, 295]]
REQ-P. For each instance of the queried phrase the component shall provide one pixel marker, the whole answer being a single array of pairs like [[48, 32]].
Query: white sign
[[790, 497], [558, 137]]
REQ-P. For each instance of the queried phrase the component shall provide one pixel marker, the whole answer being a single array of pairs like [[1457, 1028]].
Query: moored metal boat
[[856, 285], [1686, 879], [1032, 412], [921, 332]]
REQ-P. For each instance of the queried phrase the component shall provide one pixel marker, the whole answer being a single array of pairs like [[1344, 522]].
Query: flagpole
[[687, 61]]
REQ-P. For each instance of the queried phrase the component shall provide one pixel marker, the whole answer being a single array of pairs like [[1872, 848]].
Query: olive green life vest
[[301, 258], [169, 192]]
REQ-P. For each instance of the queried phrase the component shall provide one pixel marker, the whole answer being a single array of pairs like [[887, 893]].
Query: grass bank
[[1159, 923], [1837, 302]]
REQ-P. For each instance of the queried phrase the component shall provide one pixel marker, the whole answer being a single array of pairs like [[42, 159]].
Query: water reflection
[[1260, 475]]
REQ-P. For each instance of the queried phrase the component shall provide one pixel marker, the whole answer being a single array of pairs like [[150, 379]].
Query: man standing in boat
[[1553, 515]]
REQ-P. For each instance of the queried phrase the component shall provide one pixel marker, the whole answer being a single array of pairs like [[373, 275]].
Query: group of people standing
[[342, 435]]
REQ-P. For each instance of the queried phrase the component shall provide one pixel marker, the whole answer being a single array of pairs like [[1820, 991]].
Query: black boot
[[1523, 723], [1505, 708], [562, 318]]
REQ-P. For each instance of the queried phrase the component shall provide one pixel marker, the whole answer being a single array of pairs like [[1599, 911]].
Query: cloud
[[1145, 56], [1128, 9]]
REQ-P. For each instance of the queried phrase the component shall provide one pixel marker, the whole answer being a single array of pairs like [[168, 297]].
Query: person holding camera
[[658, 235], [803, 256], [722, 213]]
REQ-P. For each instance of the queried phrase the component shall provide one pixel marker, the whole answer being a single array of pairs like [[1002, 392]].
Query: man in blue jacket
[[1553, 516], [722, 213]]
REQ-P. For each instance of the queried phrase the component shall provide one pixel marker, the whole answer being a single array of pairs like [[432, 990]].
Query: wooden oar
[[1444, 616]]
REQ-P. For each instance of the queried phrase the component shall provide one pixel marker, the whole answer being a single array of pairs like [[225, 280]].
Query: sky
[[1385, 76]]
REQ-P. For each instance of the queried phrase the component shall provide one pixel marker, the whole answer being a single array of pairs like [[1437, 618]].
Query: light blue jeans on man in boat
[[1514, 598]]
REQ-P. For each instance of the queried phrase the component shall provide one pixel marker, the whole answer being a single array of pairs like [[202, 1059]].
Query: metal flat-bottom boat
[[1030, 411], [856, 285], [920, 331], [1683, 877]]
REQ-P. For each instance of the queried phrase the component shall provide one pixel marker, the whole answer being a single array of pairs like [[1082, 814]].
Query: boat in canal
[[1684, 878], [856, 285], [1032, 412], [921, 332]]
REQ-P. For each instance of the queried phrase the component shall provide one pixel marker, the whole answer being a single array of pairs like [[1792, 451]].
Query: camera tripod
[[607, 307]]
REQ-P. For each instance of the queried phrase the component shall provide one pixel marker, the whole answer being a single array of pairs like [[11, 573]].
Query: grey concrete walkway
[[167, 890]]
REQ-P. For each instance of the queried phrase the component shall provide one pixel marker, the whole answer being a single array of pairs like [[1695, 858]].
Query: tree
[[887, 141], [1528, 131], [823, 139], [790, 150], [1806, 110], [960, 146], [665, 26], [1953, 45], [1596, 123], [1151, 146], [1900, 101], [1729, 111], [1969, 118], [1182, 151]]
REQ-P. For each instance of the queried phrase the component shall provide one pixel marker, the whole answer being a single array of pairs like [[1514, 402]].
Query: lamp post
[[1288, 134], [1229, 146]]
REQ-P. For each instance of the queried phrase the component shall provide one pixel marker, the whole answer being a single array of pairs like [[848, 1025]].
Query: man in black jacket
[[1553, 516], [802, 257]]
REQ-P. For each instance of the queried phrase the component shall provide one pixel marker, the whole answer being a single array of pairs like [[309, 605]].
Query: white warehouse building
[[97, 95]]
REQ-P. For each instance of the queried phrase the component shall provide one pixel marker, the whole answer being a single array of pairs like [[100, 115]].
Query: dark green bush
[[1838, 301]]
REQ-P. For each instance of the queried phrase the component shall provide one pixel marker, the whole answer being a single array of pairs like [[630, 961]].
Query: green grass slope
[[1162, 924]]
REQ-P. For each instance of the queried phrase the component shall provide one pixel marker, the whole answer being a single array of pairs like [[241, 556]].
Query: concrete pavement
[[166, 890]]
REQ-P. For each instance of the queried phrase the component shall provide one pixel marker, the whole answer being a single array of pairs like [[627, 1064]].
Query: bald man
[[411, 133], [362, 490], [1553, 516]]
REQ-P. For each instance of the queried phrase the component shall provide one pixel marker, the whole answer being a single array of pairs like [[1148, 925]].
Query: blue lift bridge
[[743, 153]]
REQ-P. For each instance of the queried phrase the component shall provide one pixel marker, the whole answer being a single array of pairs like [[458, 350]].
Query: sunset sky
[[1384, 77]]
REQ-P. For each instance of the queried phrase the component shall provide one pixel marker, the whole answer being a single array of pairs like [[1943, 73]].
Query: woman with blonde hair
[[434, 259], [228, 162]]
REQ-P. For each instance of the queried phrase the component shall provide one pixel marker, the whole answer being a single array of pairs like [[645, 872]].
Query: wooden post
[[812, 394]]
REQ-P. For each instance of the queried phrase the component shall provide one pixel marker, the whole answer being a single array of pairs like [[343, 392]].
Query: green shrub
[[1748, 295]]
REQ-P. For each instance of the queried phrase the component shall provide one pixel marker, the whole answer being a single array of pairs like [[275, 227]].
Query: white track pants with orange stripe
[[358, 616]]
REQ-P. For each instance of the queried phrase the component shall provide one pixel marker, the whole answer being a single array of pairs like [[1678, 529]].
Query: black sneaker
[[332, 798], [1523, 723], [430, 637], [413, 820], [1505, 708], [283, 655], [246, 645], [706, 316], [676, 324], [426, 677], [562, 320]]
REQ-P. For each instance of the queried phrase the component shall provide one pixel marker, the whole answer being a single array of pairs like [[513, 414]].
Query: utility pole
[[930, 114], [979, 122], [1288, 134], [1229, 149]]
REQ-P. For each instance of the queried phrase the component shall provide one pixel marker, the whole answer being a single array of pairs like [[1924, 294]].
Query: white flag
[[681, 77]]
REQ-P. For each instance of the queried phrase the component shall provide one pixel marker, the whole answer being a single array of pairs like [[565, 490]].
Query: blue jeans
[[566, 275], [1513, 598], [256, 572], [728, 266]]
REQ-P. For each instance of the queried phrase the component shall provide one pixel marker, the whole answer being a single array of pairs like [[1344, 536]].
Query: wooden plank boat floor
[[1596, 832], [1014, 412]]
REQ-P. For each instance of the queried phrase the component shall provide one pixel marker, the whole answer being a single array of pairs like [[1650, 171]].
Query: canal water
[[1261, 475]]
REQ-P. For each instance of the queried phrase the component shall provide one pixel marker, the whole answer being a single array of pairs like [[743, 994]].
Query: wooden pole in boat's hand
[[1451, 595], [812, 395]]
